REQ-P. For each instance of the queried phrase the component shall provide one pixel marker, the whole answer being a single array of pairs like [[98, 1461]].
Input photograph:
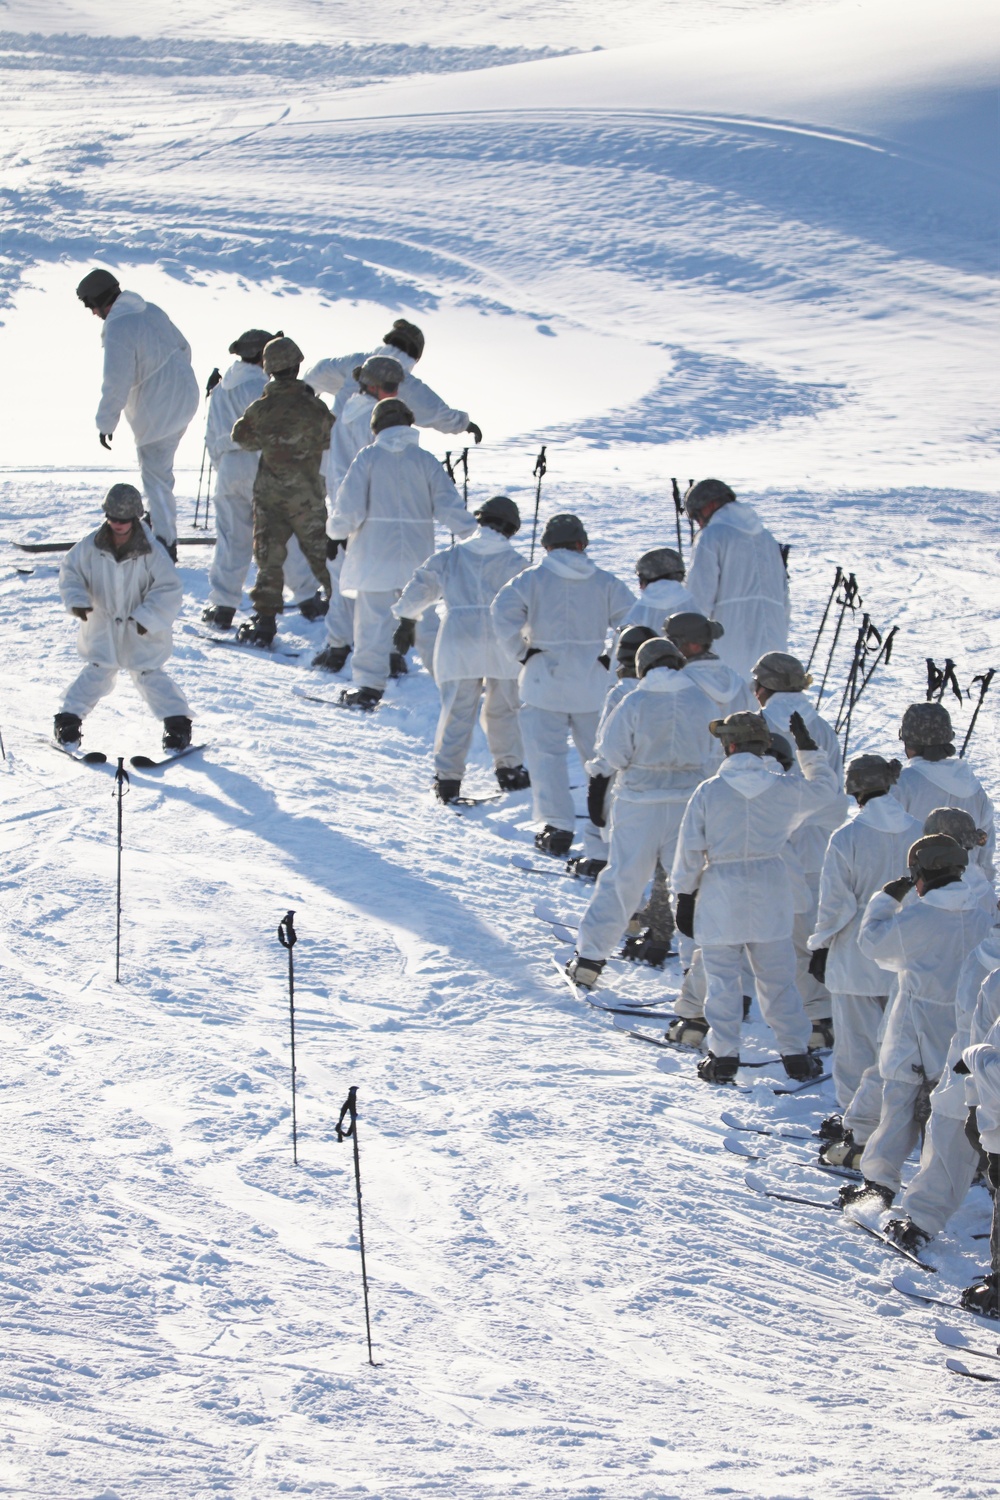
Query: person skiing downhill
[[148, 376], [470, 666], [121, 583]]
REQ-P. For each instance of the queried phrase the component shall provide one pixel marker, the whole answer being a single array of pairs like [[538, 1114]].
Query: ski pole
[[849, 600], [884, 655], [861, 644], [288, 937], [678, 512], [462, 462], [691, 518], [350, 1108], [993, 1174], [3, 752], [121, 782], [539, 473], [449, 470], [940, 678], [837, 579], [984, 681]]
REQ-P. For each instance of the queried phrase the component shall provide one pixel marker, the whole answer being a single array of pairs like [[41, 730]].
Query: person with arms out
[[121, 583], [148, 376]]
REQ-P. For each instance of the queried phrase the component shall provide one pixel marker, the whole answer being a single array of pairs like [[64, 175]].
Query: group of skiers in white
[[857, 903]]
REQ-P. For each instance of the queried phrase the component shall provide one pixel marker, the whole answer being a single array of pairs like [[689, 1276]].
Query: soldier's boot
[[219, 615], [332, 658], [259, 630], [314, 608], [512, 778], [176, 732], [68, 729]]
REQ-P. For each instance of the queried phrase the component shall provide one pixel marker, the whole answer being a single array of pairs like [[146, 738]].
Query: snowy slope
[[574, 1292]]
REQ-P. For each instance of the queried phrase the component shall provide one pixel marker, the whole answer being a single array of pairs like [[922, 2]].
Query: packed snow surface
[[756, 240]]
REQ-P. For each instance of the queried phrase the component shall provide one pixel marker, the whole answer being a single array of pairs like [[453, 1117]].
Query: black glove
[[531, 651], [333, 546], [141, 628], [597, 787], [80, 612], [800, 734], [972, 1131], [684, 914], [605, 661], [993, 1170], [817, 965], [405, 636], [105, 438], [961, 1067], [213, 380], [897, 889], [477, 432]]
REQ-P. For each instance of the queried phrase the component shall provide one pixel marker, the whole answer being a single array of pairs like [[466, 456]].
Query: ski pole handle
[[348, 1108], [287, 936]]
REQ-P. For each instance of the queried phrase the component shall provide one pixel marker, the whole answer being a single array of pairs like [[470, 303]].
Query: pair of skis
[[139, 762]]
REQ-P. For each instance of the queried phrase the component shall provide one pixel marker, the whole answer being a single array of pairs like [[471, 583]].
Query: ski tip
[[951, 1338], [94, 758], [755, 1182], [730, 1143], [906, 1285], [958, 1368], [141, 762]]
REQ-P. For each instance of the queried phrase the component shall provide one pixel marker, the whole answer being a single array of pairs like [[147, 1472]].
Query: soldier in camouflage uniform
[[290, 426]]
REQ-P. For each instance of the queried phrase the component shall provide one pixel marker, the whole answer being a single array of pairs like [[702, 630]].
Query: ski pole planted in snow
[[539, 473], [349, 1110], [849, 600], [3, 752], [462, 462], [884, 655], [678, 512], [984, 681], [940, 678], [288, 937], [837, 580], [121, 783]]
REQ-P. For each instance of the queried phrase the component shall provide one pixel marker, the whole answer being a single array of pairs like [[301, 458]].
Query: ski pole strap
[[287, 936], [123, 782], [349, 1110], [678, 502], [538, 472], [941, 678]]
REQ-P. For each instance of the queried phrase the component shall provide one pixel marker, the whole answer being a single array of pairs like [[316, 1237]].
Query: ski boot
[[822, 1035], [332, 658], [365, 698], [687, 1031], [585, 971], [553, 840], [843, 1153], [832, 1128], [714, 1069], [802, 1066], [219, 615], [582, 868], [857, 1192], [446, 790], [259, 630], [512, 778], [314, 608], [643, 948], [907, 1235], [68, 729], [398, 666], [983, 1297], [176, 732]]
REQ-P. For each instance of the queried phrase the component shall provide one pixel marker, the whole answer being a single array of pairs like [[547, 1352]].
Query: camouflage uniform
[[290, 426]]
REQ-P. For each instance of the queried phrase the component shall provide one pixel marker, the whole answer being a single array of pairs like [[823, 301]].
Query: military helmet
[[662, 562], [780, 672], [629, 642], [97, 287], [281, 354], [501, 509], [690, 629], [564, 530], [391, 412], [251, 345], [657, 653], [123, 502], [742, 729], [870, 773], [379, 369], [407, 337], [957, 824], [707, 492], [926, 724], [936, 852]]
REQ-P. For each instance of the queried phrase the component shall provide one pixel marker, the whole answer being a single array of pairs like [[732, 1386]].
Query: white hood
[[956, 777], [566, 564], [750, 775], [241, 373], [397, 438], [484, 540], [738, 515], [663, 680], [715, 679], [885, 814]]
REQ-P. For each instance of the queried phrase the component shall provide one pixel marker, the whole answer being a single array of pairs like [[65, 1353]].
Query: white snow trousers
[[374, 625], [545, 732], [234, 536], [773, 966], [896, 1134], [862, 1115], [156, 465], [163, 697], [460, 700], [691, 1000], [641, 834], [857, 1025], [948, 1163], [815, 996], [340, 615]]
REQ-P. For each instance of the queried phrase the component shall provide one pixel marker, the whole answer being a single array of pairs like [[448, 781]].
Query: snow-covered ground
[[754, 239]]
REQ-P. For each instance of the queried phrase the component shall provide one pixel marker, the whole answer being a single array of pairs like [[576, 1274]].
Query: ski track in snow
[[574, 1293]]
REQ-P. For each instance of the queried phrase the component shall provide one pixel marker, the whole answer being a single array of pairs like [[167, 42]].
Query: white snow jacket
[[977, 1008], [983, 1061], [925, 943], [924, 785], [335, 377], [386, 506], [141, 588], [241, 384], [731, 841], [656, 739], [616, 693], [730, 693], [352, 431], [147, 372], [738, 578], [863, 854], [810, 840], [561, 609], [467, 578], [657, 601]]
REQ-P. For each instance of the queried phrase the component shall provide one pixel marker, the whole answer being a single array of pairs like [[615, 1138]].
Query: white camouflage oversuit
[[738, 578], [926, 784]]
